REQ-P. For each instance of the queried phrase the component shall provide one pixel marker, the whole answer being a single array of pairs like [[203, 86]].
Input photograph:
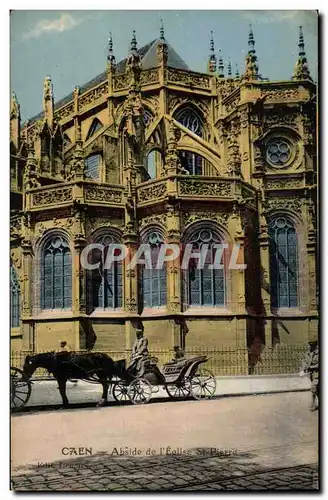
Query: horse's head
[[44, 360]]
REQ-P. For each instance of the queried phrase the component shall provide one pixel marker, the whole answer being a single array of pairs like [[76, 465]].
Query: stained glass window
[[56, 274], [95, 126], [14, 298], [153, 163], [93, 166], [283, 263], [206, 286], [189, 119], [191, 163], [106, 284], [154, 280]]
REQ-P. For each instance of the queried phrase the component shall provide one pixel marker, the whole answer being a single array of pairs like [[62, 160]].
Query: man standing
[[312, 368], [139, 352]]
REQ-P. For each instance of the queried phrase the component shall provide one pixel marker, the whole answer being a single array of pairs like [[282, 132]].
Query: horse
[[89, 366]]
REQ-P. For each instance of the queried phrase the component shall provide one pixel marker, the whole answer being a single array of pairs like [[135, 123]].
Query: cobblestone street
[[250, 443], [165, 474]]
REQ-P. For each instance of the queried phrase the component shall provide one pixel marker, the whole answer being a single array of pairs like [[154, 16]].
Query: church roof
[[148, 58]]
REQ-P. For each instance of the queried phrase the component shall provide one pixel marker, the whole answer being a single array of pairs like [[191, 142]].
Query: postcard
[[164, 269]]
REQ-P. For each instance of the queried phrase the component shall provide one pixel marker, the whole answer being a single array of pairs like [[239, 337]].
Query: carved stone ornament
[[52, 196], [154, 192], [188, 78], [283, 183], [104, 194], [219, 217], [152, 220], [280, 94], [175, 101], [149, 76], [286, 203], [289, 119], [234, 157], [15, 226], [31, 171], [131, 305], [192, 187]]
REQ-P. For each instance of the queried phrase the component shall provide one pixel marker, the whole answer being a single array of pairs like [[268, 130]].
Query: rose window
[[278, 152]]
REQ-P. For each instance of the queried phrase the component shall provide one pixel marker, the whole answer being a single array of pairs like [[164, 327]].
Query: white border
[[4, 198]]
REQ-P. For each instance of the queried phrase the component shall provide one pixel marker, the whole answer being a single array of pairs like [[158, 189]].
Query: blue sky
[[71, 45]]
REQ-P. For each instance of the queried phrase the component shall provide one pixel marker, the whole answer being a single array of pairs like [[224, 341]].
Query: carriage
[[20, 388], [181, 378]]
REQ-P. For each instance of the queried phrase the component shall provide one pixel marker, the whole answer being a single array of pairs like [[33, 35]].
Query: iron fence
[[222, 361]]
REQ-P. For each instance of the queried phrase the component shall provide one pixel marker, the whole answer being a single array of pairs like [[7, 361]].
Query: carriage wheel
[[120, 392], [140, 391], [179, 390], [203, 384], [20, 388]]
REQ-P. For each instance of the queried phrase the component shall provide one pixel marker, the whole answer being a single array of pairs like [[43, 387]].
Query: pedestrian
[[311, 367]]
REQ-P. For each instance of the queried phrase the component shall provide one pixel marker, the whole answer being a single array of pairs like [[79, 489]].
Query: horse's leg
[[62, 390], [104, 382]]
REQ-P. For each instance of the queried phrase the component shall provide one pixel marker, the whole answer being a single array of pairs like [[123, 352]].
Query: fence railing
[[222, 361]]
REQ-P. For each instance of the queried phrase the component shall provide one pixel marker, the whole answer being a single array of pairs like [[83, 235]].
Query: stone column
[[27, 294], [238, 275], [173, 266], [238, 299], [131, 287], [79, 274], [265, 275], [311, 257], [79, 301]]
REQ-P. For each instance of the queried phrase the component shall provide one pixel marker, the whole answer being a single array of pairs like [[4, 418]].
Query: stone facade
[[242, 184]]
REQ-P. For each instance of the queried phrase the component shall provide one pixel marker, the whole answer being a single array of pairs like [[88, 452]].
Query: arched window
[[154, 160], [206, 286], [190, 162], [56, 274], [95, 126], [14, 298], [106, 284], [154, 280], [92, 164], [283, 263]]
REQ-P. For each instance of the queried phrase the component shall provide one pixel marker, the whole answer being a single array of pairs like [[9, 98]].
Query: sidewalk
[[260, 384], [225, 386]]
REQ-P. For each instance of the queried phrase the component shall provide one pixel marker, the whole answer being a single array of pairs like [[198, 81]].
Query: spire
[[237, 75], [161, 31], [229, 68], [14, 121], [211, 65], [251, 41], [48, 101], [221, 66], [301, 71], [14, 107], [133, 46], [110, 55], [133, 63], [252, 70]]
